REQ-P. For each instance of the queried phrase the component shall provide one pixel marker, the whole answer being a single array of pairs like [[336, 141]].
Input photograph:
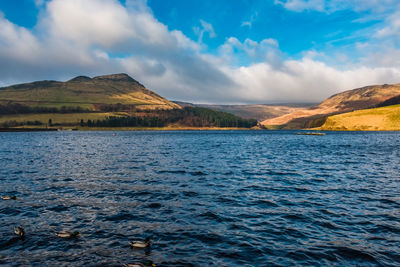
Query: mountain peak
[[80, 79], [116, 77]]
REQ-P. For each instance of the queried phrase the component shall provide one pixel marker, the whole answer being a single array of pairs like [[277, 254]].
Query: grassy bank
[[376, 119]]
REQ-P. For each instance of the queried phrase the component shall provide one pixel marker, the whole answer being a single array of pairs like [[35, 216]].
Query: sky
[[206, 51]]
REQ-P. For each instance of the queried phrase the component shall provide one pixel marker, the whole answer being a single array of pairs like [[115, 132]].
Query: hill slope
[[356, 99], [110, 101], [85, 92], [259, 112], [376, 119]]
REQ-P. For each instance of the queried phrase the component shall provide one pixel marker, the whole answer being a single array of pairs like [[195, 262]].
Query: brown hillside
[[356, 99], [260, 112]]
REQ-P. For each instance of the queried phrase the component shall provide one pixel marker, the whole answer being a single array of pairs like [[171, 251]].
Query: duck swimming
[[68, 234], [8, 197], [141, 244], [139, 264], [18, 230]]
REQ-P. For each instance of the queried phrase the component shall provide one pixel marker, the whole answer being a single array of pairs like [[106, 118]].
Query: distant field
[[259, 112], [376, 119], [69, 118]]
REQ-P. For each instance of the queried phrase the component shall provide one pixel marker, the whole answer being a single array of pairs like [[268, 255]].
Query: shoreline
[[27, 129], [121, 129]]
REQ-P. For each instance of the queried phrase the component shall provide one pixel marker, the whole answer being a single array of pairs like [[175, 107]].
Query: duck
[[139, 264], [18, 230], [8, 197], [141, 244], [68, 234]]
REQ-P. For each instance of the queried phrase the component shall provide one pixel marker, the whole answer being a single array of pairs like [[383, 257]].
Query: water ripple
[[209, 198]]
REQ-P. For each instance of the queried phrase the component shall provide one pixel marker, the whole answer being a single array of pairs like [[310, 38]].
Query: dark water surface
[[212, 198]]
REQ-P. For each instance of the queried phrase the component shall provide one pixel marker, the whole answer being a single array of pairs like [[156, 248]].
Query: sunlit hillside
[[376, 119], [86, 93]]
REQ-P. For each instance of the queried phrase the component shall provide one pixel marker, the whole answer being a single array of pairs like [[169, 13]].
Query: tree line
[[17, 108], [188, 116]]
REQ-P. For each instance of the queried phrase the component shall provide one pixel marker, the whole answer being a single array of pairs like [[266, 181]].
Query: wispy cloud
[[391, 28], [204, 28], [301, 5], [249, 23], [375, 6], [40, 3]]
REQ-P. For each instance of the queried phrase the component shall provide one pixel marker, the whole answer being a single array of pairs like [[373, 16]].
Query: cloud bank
[[93, 37]]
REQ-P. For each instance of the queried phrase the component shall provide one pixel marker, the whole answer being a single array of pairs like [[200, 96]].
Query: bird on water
[[9, 197], [139, 264], [141, 244], [68, 234], [19, 231]]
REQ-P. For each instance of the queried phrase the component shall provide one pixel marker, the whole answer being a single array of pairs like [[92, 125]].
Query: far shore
[[52, 129]]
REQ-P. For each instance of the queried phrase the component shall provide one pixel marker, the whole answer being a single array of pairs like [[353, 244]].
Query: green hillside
[[85, 92]]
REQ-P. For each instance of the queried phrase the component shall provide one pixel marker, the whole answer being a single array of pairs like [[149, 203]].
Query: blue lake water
[[207, 198]]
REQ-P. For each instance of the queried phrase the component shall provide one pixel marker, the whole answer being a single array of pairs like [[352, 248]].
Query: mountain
[[356, 99], [85, 92], [260, 112], [377, 119], [103, 102]]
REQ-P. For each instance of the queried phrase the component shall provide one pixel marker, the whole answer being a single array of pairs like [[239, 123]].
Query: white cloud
[[93, 37], [185, 42], [103, 22], [234, 50], [303, 80], [86, 22], [16, 41]]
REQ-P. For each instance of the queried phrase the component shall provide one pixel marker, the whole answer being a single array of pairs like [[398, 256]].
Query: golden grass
[[376, 119]]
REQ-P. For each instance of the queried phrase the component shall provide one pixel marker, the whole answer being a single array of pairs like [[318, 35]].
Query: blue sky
[[208, 51], [257, 20]]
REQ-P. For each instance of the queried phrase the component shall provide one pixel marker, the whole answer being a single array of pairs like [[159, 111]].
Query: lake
[[206, 198]]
